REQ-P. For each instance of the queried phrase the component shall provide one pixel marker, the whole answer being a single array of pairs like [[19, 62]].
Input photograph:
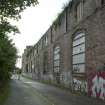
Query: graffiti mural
[[79, 85], [96, 85]]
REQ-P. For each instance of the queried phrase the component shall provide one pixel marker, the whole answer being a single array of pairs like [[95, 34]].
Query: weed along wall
[[96, 85]]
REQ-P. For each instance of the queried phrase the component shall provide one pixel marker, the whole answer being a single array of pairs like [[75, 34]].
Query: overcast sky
[[35, 21]]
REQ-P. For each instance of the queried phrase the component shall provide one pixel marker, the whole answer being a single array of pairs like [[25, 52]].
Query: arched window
[[79, 11], [45, 63], [56, 59], [78, 53]]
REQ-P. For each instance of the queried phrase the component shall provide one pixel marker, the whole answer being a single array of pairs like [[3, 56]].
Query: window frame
[[56, 52], [79, 54]]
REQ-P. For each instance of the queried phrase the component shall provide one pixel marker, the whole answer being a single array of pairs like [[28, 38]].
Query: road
[[28, 92]]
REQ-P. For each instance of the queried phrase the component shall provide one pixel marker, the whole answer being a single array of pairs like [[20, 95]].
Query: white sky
[[35, 22]]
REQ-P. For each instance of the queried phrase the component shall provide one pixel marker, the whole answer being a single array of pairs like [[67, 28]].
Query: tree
[[7, 58], [8, 52]]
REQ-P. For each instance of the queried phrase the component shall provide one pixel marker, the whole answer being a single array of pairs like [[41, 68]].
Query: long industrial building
[[72, 51]]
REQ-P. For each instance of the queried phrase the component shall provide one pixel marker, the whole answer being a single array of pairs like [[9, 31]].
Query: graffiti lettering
[[80, 85], [98, 88]]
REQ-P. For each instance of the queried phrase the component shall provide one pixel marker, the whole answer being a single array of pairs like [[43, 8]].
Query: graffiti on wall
[[79, 85], [96, 82]]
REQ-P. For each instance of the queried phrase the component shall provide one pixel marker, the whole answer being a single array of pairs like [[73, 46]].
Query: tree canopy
[[13, 8]]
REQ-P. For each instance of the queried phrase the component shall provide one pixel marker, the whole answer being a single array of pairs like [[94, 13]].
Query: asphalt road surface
[[28, 92]]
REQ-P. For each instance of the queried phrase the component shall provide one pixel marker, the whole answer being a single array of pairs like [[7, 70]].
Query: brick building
[[72, 48], [25, 60]]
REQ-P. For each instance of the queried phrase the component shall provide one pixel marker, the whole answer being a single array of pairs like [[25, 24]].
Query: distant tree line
[[9, 9]]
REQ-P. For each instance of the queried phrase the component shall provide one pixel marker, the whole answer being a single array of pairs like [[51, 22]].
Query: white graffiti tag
[[98, 87]]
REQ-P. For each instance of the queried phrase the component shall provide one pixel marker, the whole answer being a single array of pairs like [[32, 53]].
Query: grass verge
[[4, 93]]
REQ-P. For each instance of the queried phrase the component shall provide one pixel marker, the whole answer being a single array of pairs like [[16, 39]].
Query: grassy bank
[[4, 93]]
